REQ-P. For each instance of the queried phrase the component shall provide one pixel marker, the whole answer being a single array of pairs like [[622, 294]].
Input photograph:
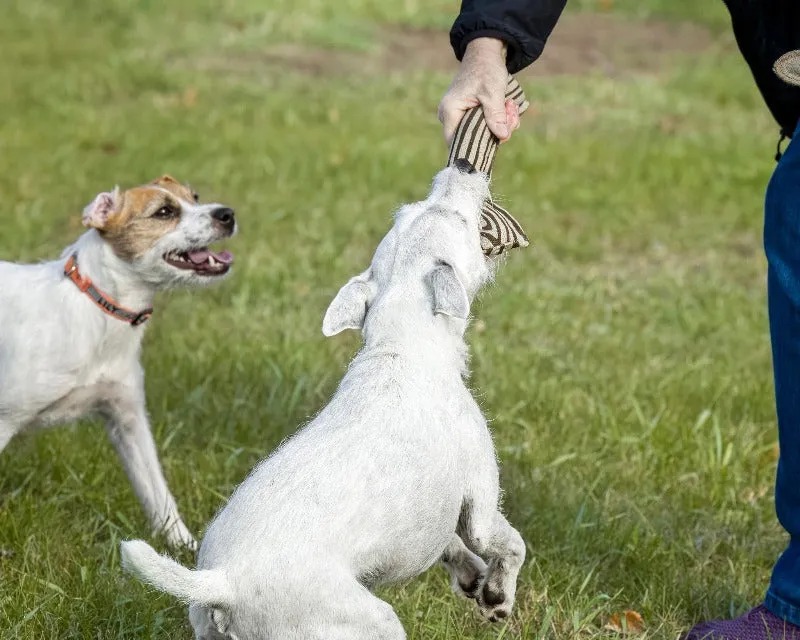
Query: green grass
[[623, 359]]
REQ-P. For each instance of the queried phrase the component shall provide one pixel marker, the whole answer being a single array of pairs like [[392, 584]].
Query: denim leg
[[782, 244]]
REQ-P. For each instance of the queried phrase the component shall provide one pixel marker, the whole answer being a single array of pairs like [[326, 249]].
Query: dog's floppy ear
[[349, 307], [97, 213], [449, 295]]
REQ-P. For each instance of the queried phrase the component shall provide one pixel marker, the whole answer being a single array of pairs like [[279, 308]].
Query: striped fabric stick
[[475, 143]]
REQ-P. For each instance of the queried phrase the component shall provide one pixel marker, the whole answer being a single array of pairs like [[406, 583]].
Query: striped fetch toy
[[475, 143]]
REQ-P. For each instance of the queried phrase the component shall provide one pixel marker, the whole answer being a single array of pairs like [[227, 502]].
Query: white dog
[[398, 470], [71, 329]]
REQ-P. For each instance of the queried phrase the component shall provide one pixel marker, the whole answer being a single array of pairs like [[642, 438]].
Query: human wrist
[[486, 47]]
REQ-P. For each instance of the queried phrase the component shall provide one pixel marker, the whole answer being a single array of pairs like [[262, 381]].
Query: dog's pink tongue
[[201, 256], [198, 256]]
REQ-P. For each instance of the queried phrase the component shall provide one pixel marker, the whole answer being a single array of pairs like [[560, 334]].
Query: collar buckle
[[143, 317]]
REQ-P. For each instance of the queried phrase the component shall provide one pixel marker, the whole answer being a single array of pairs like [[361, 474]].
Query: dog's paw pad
[[492, 598], [495, 604], [496, 615]]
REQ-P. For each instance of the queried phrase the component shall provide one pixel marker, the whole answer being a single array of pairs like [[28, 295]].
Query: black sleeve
[[524, 25]]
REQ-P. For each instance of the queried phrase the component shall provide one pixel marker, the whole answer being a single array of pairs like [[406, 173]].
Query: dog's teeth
[[211, 261]]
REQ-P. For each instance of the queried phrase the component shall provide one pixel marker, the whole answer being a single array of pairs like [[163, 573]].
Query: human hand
[[481, 80]]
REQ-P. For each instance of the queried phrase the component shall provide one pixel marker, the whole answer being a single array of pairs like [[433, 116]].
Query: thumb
[[494, 111], [493, 102]]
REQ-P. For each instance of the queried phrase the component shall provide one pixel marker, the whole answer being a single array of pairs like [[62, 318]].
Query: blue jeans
[[782, 244]]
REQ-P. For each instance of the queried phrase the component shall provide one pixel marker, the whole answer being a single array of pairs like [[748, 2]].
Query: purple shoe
[[756, 624]]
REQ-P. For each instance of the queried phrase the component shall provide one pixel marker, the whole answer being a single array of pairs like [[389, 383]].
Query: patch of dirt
[[613, 44], [397, 50], [580, 44]]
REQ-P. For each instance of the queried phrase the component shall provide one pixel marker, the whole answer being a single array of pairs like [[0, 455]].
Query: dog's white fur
[[62, 358], [397, 471]]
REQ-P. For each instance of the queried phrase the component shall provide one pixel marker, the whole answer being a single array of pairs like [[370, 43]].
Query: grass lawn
[[623, 359]]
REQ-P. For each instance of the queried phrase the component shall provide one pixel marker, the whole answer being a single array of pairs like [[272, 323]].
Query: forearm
[[523, 25]]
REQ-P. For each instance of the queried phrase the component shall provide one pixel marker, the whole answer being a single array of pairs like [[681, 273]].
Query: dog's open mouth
[[202, 261]]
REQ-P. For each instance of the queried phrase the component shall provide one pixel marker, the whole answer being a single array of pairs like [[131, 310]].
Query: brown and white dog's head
[[162, 231]]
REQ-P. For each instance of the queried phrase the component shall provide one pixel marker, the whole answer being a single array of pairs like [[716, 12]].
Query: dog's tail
[[205, 587]]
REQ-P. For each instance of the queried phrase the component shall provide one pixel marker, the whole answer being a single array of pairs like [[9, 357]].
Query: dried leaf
[[628, 622], [109, 148], [751, 496], [190, 97]]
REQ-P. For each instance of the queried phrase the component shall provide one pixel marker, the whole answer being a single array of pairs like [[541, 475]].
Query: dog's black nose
[[464, 166], [224, 216]]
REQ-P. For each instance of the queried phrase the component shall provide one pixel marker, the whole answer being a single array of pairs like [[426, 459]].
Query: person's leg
[[782, 243], [779, 616]]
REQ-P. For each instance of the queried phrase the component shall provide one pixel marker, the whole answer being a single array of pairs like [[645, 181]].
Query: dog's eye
[[166, 212], [196, 196]]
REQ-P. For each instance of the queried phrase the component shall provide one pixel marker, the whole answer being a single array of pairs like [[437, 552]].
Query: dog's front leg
[[129, 431], [487, 533]]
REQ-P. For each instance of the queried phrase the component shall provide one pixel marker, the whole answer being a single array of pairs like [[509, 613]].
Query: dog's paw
[[468, 586], [467, 572], [191, 544], [495, 600], [494, 605], [179, 537]]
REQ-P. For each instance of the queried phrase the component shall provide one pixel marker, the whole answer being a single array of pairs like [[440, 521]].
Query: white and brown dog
[[72, 328]]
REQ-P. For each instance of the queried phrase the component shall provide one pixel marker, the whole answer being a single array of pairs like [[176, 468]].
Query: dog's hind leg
[[356, 615], [7, 431], [129, 430], [467, 570]]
